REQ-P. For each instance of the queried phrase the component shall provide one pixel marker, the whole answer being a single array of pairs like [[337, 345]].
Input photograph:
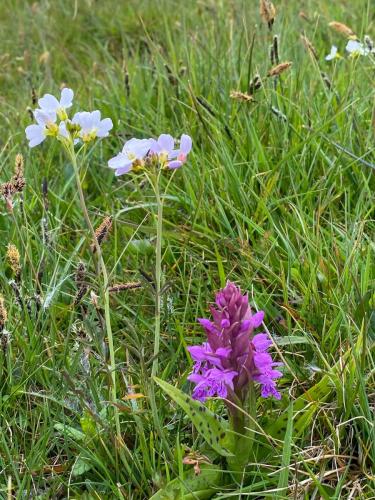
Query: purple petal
[[166, 142], [257, 319], [186, 144], [175, 164], [261, 342], [123, 170], [119, 161]]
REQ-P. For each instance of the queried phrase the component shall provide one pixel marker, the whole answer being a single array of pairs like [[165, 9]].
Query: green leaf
[[88, 425], [220, 267], [287, 452], [202, 486], [81, 466], [291, 340], [211, 427], [70, 432]]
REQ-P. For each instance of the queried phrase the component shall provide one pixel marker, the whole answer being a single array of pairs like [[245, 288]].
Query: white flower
[[356, 48], [45, 125], [91, 125], [133, 151], [334, 54], [48, 103]]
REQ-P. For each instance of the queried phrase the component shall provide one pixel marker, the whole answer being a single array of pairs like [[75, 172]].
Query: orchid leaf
[[212, 428], [202, 486]]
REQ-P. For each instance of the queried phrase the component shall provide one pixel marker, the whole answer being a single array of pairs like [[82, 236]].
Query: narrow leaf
[[211, 427]]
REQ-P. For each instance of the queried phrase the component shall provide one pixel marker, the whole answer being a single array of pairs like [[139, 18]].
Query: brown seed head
[[101, 232], [241, 96], [304, 16], [342, 28], [255, 84], [268, 12], [3, 313], [80, 274], [13, 257], [309, 47], [120, 287], [18, 166], [280, 68]]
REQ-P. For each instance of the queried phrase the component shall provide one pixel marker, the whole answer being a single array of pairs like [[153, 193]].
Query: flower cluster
[[354, 48], [84, 126], [136, 151], [233, 356]]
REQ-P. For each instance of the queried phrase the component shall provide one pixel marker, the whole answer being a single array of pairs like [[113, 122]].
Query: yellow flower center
[[62, 114], [52, 129]]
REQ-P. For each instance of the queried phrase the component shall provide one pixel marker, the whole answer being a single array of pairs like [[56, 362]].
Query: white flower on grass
[[48, 103], [132, 154], [45, 126], [334, 54], [91, 125], [356, 48]]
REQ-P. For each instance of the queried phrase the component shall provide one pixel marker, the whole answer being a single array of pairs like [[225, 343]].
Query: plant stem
[[105, 293], [159, 235]]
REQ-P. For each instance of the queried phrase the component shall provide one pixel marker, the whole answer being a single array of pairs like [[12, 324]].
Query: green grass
[[276, 205]]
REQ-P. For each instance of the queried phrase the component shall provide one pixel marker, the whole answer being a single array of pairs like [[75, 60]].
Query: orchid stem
[[105, 293]]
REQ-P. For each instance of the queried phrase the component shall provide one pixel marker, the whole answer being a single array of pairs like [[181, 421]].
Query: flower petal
[[261, 342], [63, 132], [186, 144], [175, 164], [119, 161], [104, 127], [44, 117], [66, 99], [123, 170], [257, 319], [49, 103], [166, 142], [35, 135]]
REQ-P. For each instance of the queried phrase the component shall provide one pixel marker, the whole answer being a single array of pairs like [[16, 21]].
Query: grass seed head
[[279, 68], [3, 313], [241, 96], [18, 166], [342, 28], [309, 47], [267, 12], [15, 185], [120, 287], [101, 232], [13, 257], [255, 84]]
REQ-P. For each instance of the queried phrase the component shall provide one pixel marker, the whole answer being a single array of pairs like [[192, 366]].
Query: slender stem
[[158, 274], [105, 292]]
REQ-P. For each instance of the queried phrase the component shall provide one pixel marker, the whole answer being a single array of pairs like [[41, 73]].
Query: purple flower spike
[[211, 383], [233, 356]]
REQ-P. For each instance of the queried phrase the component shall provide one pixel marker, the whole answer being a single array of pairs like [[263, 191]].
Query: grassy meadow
[[277, 195]]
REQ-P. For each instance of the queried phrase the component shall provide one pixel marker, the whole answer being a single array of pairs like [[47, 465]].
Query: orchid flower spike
[[233, 355]]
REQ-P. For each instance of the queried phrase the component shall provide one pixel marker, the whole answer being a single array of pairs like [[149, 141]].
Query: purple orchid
[[233, 356]]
